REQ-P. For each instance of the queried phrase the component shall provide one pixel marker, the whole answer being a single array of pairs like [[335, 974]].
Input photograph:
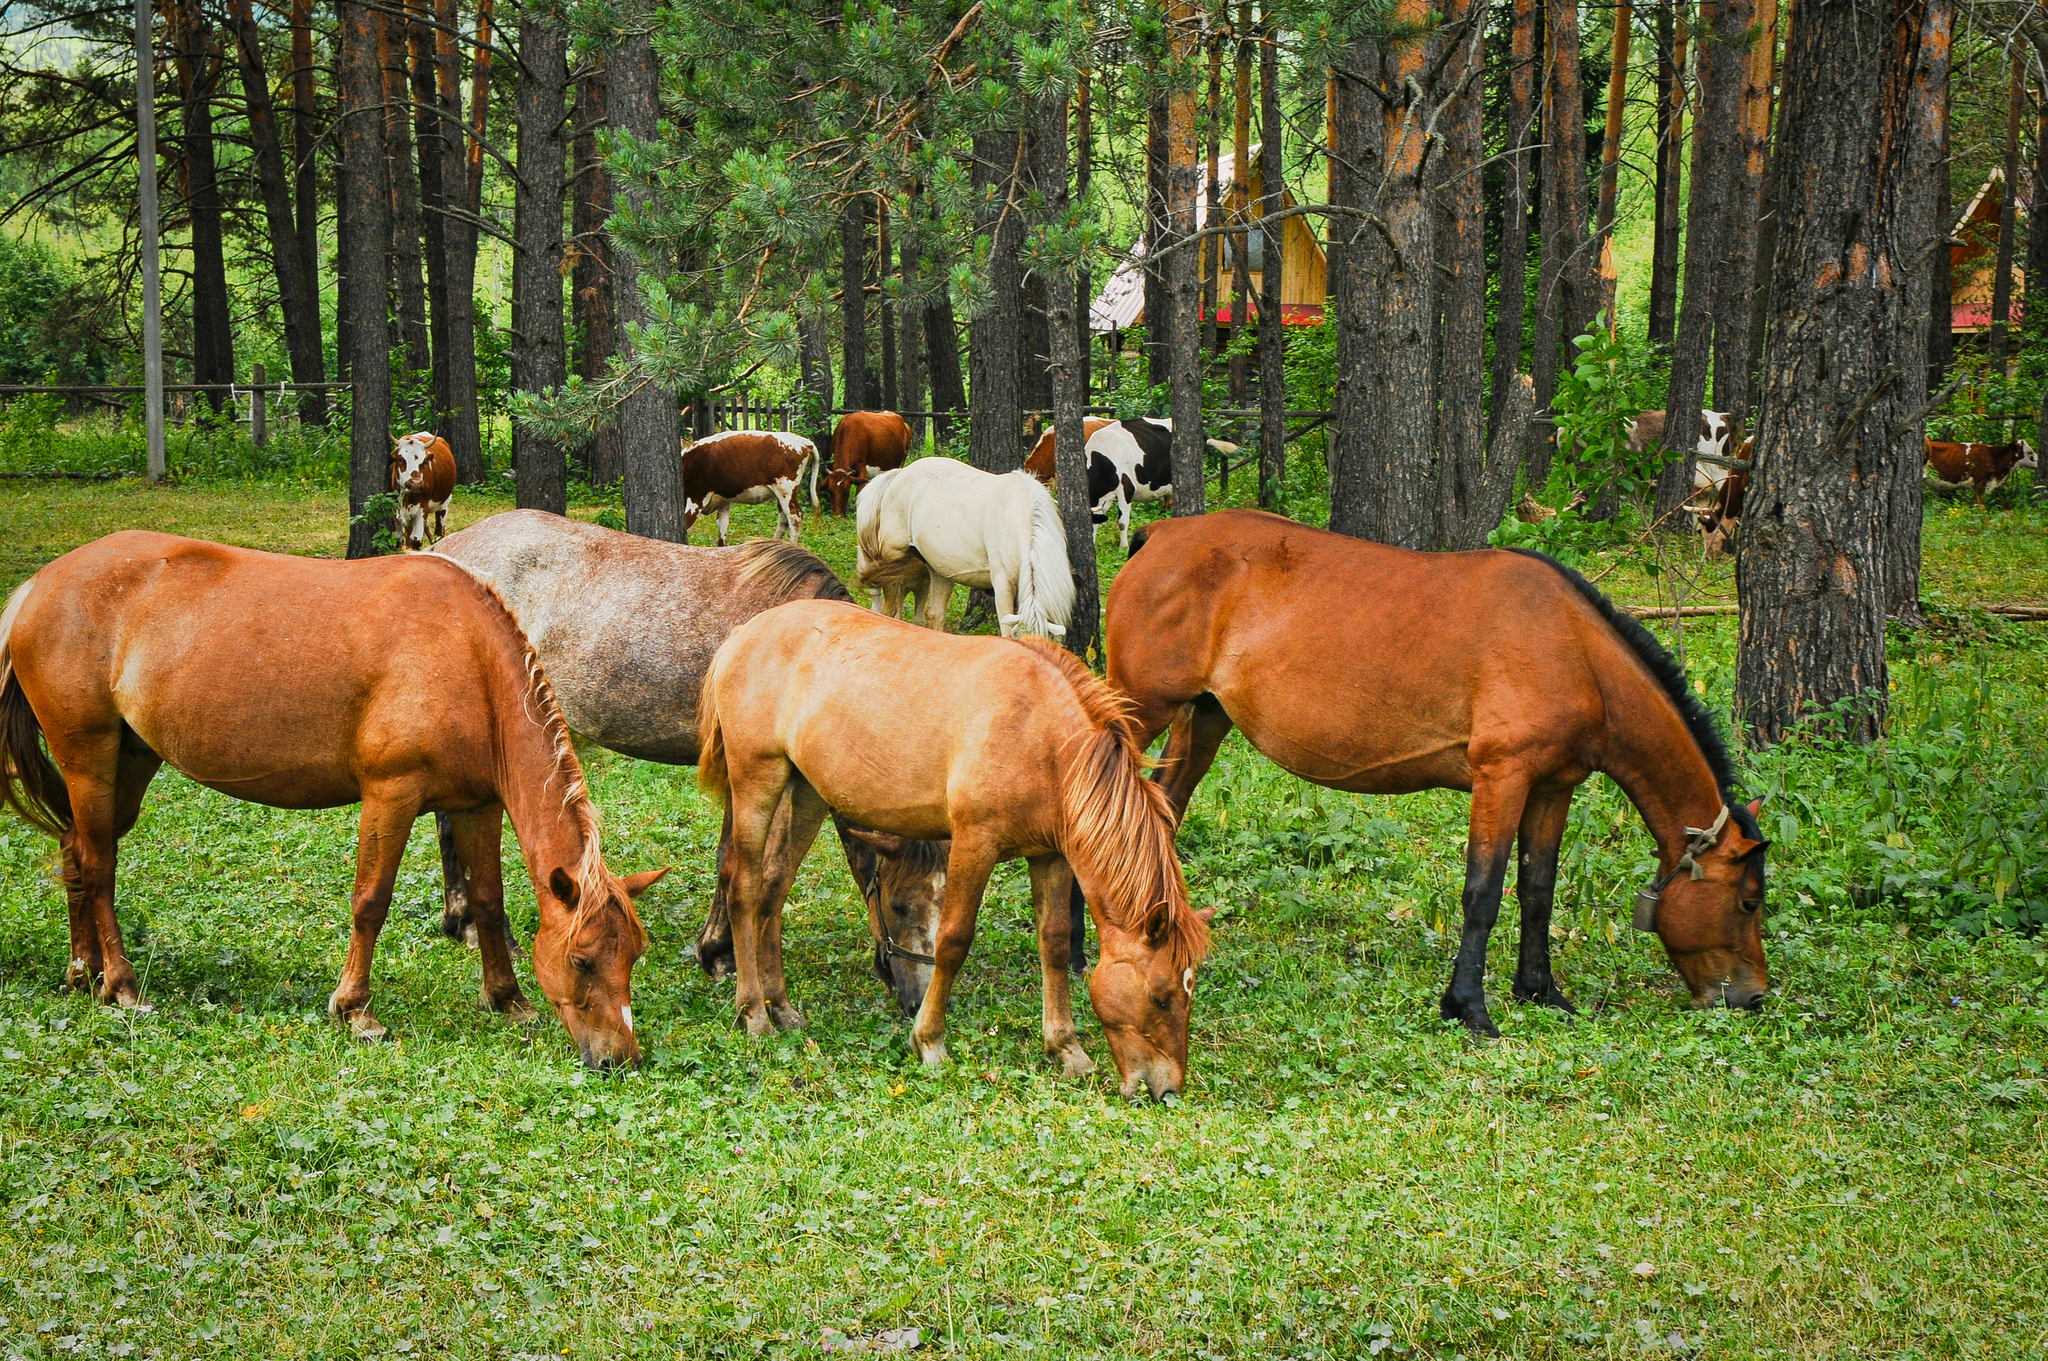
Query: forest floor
[[1859, 1170]]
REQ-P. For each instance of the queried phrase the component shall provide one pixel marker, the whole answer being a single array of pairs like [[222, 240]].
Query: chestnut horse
[[1383, 671], [1019, 752], [303, 683], [625, 627]]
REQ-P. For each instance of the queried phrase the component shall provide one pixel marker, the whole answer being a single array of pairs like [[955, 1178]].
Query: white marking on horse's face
[[626, 1015], [1187, 980]]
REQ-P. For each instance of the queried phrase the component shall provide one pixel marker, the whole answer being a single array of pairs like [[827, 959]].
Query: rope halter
[[1699, 840]]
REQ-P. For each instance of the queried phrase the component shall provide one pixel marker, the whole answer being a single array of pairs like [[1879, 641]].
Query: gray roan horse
[[625, 627]]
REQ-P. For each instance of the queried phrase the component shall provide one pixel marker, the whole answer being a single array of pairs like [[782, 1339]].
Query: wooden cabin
[[1304, 268], [1973, 260]]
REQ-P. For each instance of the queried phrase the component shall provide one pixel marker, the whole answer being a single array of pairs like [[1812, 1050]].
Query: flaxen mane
[[594, 880], [783, 571], [1119, 824]]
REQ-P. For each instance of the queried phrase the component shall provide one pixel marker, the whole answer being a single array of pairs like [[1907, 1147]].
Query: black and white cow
[[1132, 461]]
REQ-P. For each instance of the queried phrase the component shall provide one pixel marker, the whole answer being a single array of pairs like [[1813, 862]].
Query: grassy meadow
[[1858, 1171]]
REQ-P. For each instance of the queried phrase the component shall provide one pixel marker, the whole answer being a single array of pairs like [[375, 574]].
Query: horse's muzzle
[[606, 1058]]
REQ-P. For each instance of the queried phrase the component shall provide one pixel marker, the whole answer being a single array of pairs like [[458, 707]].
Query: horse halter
[[872, 891], [1699, 841]]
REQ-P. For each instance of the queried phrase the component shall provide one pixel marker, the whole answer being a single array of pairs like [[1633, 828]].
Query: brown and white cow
[[747, 468], [423, 476], [1952, 466], [1716, 435], [865, 444], [1040, 461]]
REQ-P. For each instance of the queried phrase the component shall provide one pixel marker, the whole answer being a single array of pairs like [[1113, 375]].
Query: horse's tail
[[1045, 583], [712, 776], [30, 782], [1116, 826], [813, 460], [867, 518]]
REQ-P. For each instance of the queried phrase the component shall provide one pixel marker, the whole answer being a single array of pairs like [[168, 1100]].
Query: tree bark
[[996, 413], [1734, 279], [942, 346], [595, 306], [539, 356], [650, 423], [2008, 216], [1157, 306], [429, 133], [1357, 484], [1084, 166], [295, 297], [886, 321], [306, 191], [1671, 43], [1460, 283], [1566, 291], [1184, 339], [1763, 81], [460, 412], [409, 293], [853, 306], [364, 201], [1272, 331], [1069, 393], [1514, 232], [910, 317], [1844, 349], [1240, 181], [1610, 153], [1941, 351], [213, 341], [2034, 311], [1212, 246]]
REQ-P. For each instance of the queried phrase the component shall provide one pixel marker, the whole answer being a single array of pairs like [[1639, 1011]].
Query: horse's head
[[904, 885], [1712, 925], [410, 459], [1142, 990], [839, 481], [583, 957]]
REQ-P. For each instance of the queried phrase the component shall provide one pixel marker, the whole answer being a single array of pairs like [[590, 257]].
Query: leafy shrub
[[46, 330]]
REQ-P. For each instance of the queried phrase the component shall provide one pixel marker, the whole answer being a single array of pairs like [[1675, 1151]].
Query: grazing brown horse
[[303, 683], [626, 627], [1384, 671], [1019, 752]]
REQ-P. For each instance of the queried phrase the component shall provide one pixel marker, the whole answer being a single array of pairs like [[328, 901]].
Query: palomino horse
[[939, 521], [1384, 671], [301, 683], [625, 627], [1021, 753]]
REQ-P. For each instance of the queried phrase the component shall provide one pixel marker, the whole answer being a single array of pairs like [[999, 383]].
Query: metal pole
[[152, 290]]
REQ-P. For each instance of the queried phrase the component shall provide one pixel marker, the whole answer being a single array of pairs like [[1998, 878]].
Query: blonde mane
[[1118, 823], [591, 872]]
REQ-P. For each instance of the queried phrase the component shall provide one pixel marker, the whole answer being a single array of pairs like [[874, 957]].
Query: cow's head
[[838, 482], [410, 459]]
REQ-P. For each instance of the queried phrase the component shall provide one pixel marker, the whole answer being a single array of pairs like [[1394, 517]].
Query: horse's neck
[[1651, 754], [540, 793]]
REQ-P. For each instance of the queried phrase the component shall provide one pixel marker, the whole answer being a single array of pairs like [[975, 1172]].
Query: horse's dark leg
[[967, 870], [1077, 929], [456, 921], [1197, 733], [714, 939], [1542, 830], [1496, 809]]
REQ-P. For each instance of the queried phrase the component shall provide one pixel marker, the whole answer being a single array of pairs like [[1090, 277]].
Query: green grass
[[1857, 1171]]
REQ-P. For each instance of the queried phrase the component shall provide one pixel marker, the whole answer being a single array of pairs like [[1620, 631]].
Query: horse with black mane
[[1384, 671]]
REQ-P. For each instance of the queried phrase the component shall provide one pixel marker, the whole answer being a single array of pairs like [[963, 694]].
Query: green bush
[[46, 335]]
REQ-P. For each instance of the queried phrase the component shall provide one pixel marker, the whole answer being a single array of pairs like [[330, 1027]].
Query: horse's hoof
[[755, 1018], [785, 1016], [717, 961], [366, 1027], [1550, 995], [1074, 1060], [1473, 1017], [455, 921], [78, 976], [933, 1054], [129, 1001], [515, 1009]]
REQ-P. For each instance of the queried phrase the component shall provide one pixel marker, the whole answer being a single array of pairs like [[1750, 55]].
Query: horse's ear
[[886, 843], [1756, 807], [637, 884], [1207, 914], [564, 887]]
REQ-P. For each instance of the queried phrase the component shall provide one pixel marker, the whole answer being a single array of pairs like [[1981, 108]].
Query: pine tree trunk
[[1610, 155], [1084, 165], [295, 297], [886, 322], [306, 193], [213, 344], [1272, 331], [853, 309], [2034, 311], [1069, 394], [1844, 345], [364, 201], [430, 134], [1763, 81], [1941, 348], [650, 423], [595, 307], [910, 319], [539, 356], [1182, 269], [1921, 224], [460, 413], [1157, 305], [409, 293], [942, 347], [1566, 291], [1211, 249], [1735, 277], [1034, 355], [1514, 240], [996, 411], [1671, 43], [2008, 218], [1240, 242], [1357, 484], [1461, 286]]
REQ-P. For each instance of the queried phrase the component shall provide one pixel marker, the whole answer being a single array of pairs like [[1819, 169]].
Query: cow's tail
[[30, 782], [1045, 583], [813, 460]]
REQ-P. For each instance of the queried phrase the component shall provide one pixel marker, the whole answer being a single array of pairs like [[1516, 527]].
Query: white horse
[[939, 521]]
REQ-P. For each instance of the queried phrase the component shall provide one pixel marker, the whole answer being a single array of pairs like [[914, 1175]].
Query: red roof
[[1976, 316], [1291, 314]]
